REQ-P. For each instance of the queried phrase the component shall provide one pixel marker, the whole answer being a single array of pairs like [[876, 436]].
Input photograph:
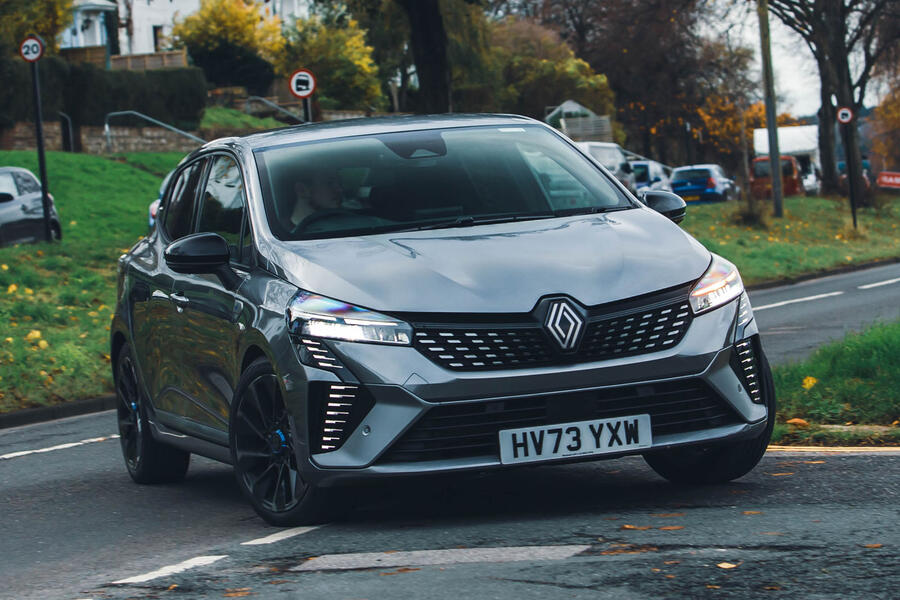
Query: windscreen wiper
[[469, 221]]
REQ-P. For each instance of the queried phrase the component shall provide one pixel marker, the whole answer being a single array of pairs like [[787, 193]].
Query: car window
[[689, 174], [641, 172], [7, 184], [222, 208], [394, 181], [179, 211], [27, 183]]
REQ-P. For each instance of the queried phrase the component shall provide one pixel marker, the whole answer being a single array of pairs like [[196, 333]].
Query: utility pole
[[762, 10]]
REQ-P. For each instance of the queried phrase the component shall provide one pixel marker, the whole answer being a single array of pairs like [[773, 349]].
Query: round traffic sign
[[31, 49], [844, 115], [302, 83]]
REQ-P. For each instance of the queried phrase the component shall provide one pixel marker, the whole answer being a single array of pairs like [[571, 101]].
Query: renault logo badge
[[564, 324]]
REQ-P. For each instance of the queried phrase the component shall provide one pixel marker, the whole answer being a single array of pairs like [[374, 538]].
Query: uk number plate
[[582, 438]]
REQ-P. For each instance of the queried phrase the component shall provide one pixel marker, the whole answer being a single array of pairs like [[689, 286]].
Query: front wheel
[[719, 463], [263, 453]]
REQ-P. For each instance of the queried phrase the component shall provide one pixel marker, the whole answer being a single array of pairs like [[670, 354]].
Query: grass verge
[[220, 117], [847, 392], [816, 234], [56, 300]]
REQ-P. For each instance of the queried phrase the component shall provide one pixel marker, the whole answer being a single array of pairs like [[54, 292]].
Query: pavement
[[806, 523]]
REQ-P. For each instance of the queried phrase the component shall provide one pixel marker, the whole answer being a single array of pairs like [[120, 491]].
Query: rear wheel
[[263, 452], [719, 463], [147, 460]]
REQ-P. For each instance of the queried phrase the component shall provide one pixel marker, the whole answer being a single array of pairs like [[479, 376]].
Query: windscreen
[[689, 174], [423, 179]]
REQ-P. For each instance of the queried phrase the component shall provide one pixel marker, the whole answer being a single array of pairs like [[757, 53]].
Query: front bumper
[[406, 385]]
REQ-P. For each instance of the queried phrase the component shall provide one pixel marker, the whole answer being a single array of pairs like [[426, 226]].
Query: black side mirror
[[626, 168], [6, 197], [665, 203], [198, 253], [202, 253]]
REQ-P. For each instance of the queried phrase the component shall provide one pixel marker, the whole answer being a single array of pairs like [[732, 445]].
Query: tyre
[[55, 232], [719, 463], [263, 452], [147, 460]]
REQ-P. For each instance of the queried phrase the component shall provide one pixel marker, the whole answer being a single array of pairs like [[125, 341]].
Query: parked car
[[649, 174], [22, 208], [154, 206], [761, 180], [707, 182], [613, 158], [340, 302]]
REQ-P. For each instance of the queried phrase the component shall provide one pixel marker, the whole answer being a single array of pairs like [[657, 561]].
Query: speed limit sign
[[844, 115], [31, 49], [302, 83]]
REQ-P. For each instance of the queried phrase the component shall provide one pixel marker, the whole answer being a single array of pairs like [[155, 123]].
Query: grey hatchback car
[[324, 304]]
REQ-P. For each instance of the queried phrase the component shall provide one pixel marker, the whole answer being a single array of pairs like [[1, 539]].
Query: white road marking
[[869, 286], [795, 301], [59, 447], [199, 561], [281, 535], [371, 560]]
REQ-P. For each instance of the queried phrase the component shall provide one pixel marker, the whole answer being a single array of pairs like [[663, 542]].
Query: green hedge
[[88, 93]]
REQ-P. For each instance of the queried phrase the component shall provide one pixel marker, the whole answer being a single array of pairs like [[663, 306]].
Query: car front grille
[[476, 346], [470, 429]]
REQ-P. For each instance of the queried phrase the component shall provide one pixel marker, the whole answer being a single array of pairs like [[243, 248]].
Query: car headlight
[[719, 285], [318, 316]]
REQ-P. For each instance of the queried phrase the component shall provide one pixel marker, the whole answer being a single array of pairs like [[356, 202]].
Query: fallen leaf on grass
[[872, 545], [672, 527], [667, 515], [727, 565], [637, 527], [752, 512], [798, 422]]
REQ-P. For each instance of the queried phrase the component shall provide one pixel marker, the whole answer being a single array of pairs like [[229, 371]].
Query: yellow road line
[[838, 449]]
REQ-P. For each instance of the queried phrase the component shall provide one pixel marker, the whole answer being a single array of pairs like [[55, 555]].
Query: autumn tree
[[847, 38], [18, 18], [336, 51], [232, 42], [886, 131]]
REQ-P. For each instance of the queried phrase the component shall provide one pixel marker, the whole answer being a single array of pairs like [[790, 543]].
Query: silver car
[[331, 303], [22, 208]]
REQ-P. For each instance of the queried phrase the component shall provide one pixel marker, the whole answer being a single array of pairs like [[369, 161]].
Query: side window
[[27, 183], [179, 211], [222, 208], [7, 184]]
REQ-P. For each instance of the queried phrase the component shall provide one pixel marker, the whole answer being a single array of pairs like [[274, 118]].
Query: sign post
[[31, 50], [302, 85], [845, 118]]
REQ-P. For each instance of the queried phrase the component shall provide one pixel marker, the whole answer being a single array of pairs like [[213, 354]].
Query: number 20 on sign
[[31, 49]]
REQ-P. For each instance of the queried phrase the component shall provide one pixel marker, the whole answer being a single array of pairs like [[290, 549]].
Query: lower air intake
[[336, 409], [746, 365]]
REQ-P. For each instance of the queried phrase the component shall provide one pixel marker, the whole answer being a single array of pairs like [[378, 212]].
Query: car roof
[[700, 166], [14, 169], [367, 126]]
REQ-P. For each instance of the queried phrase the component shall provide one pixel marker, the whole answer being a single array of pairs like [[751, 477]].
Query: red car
[[761, 179]]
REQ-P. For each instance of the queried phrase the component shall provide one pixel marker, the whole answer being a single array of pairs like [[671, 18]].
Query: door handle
[[179, 300]]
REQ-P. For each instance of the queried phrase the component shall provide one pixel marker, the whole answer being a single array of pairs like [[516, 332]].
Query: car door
[[153, 314], [10, 211], [210, 315]]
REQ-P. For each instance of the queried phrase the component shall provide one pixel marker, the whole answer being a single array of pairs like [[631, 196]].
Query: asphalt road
[[814, 525]]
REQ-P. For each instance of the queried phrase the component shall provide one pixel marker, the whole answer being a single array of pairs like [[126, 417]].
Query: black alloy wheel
[[263, 451], [147, 460]]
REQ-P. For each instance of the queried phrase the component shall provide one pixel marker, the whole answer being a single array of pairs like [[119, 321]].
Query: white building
[[144, 25]]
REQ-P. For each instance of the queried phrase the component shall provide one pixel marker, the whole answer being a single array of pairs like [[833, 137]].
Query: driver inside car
[[320, 192]]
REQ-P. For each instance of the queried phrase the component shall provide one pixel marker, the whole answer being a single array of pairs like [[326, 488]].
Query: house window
[[157, 37]]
